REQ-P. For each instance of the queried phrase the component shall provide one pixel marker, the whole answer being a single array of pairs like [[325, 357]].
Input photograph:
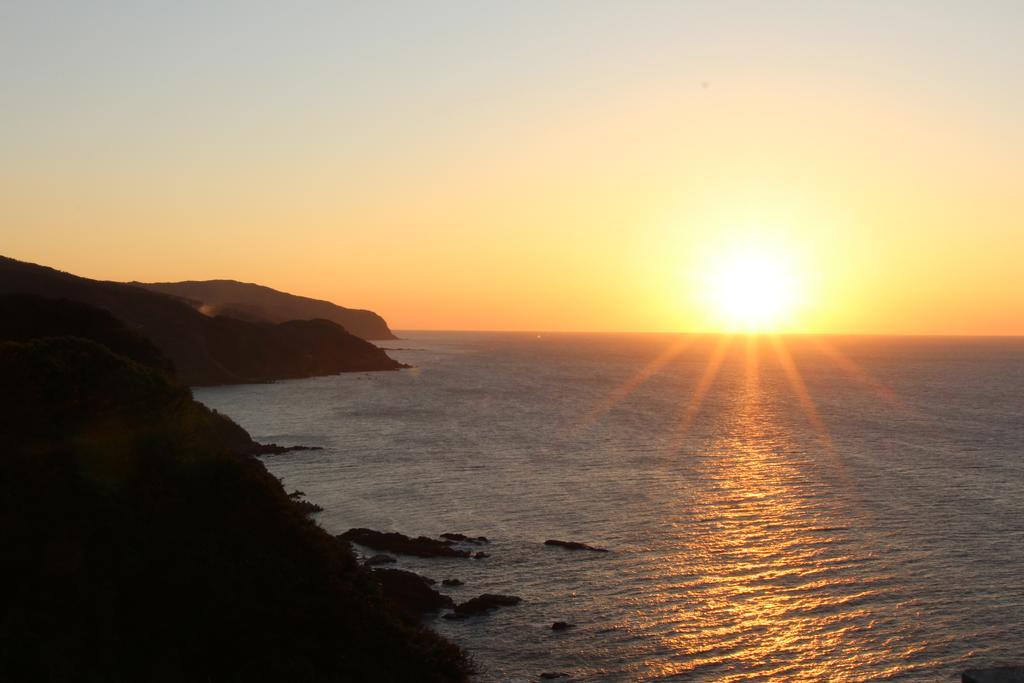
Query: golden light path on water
[[761, 566], [767, 574]]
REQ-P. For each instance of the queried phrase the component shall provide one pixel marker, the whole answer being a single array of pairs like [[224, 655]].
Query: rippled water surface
[[838, 509]]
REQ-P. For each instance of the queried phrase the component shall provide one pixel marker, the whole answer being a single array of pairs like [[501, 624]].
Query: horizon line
[[705, 333]]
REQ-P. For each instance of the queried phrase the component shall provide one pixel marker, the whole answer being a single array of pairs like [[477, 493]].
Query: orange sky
[[580, 167]]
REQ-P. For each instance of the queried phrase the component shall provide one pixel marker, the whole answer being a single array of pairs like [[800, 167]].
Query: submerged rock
[[573, 545], [482, 604], [274, 449], [479, 555], [548, 676], [377, 560], [451, 582], [561, 625], [411, 592], [462, 538], [999, 674], [400, 543]]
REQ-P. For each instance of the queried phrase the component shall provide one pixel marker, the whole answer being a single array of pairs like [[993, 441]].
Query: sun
[[752, 289]]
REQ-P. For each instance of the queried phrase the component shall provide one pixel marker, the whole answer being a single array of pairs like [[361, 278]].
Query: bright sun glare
[[752, 290]]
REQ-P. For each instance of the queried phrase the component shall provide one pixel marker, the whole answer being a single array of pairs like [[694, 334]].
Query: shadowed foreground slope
[[248, 301], [138, 545], [205, 350]]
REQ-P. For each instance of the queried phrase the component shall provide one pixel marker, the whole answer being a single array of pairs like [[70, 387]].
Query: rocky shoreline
[[417, 595]]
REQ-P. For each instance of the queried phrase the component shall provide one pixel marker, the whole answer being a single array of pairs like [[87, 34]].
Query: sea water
[[775, 508]]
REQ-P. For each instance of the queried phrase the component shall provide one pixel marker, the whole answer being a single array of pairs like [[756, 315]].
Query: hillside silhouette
[[141, 543], [208, 350], [247, 301]]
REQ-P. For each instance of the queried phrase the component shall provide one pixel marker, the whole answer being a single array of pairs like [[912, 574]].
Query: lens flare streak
[[704, 384]]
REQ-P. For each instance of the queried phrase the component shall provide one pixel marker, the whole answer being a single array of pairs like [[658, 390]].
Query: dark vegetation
[[247, 301], [307, 508], [204, 349], [24, 317], [142, 542]]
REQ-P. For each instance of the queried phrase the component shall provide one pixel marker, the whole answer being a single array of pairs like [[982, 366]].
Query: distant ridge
[[208, 350], [247, 301]]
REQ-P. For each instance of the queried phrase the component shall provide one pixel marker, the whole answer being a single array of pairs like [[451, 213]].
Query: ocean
[[834, 508]]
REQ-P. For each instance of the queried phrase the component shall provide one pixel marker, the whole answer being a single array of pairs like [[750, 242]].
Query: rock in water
[[561, 625], [573, 545], [451, 582], [411, 592], [482, 604], [999, 674], [401, 544], [377, 560], [462, 538]]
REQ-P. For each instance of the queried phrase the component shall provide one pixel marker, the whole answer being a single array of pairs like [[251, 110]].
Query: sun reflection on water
[[769, 586]]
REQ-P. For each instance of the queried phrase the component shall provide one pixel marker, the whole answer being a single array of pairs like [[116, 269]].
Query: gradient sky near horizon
[[529, 165]]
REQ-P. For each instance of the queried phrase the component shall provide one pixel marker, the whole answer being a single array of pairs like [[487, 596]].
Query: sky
[[563, 166]]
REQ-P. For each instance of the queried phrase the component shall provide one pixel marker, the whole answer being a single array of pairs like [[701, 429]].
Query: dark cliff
[[255, 302], [203, 349], [140, 543]]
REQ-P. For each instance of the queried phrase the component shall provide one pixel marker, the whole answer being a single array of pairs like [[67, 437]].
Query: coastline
[[153, 525]]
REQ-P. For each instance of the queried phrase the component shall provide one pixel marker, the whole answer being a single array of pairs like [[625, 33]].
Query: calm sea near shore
[[842, 509]]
